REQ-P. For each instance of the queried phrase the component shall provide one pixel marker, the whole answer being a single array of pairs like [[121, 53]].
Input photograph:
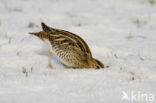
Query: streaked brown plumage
[[70, 49]]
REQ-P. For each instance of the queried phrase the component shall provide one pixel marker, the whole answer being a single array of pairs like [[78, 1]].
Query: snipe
[[70, 49]]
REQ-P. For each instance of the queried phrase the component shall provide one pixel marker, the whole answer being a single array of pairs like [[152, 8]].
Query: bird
[[70, 49]]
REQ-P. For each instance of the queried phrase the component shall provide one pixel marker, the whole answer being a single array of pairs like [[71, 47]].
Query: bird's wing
[[67, 39]]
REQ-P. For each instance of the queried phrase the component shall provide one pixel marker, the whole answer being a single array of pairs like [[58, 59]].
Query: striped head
[[44, 34], [94, 63]]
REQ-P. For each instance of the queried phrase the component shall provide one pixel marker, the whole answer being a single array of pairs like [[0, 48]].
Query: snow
[[120, 33]]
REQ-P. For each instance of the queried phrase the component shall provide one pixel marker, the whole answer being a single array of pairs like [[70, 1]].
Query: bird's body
[[68, 48]]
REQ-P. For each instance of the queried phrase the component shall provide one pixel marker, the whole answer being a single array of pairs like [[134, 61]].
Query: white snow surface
[[120, 33]]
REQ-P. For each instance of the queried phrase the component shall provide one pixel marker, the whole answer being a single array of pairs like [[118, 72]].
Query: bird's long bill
[[40, 34]]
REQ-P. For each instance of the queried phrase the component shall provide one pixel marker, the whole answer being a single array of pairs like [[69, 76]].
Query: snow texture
[[120, 33]]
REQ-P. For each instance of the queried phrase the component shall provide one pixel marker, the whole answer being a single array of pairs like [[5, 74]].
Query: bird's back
[[69, 48]]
